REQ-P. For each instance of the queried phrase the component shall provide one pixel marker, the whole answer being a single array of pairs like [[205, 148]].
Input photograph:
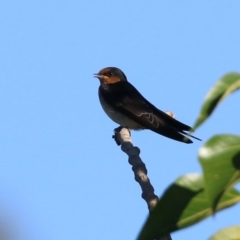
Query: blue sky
[[61, 175]]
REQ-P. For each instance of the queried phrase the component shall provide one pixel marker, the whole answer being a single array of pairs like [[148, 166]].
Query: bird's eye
[[110, 74]]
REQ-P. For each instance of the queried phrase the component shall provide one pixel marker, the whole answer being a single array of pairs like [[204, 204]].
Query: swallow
[[125, 105]]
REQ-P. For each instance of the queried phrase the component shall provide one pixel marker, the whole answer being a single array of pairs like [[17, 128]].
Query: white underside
[[119, 118]]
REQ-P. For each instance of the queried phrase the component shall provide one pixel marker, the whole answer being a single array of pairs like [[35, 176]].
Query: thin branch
[[122, 137]]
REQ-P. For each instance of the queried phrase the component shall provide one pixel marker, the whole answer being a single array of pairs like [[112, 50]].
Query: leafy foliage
[[220, 160], [194, 197], [231, 233], [226, 85], [184, 203]]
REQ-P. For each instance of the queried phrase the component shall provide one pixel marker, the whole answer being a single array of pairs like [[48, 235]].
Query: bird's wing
[[132, 104], [140, 110]]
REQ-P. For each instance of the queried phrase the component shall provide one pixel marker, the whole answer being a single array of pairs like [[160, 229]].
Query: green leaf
[[230, 233], [220, 160], [183, 204], [226, 85]]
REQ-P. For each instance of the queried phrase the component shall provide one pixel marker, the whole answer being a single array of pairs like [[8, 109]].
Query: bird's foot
[[171, 114], [118, 130]]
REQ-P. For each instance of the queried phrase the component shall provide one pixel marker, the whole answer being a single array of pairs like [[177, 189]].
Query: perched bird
[[123, 103]]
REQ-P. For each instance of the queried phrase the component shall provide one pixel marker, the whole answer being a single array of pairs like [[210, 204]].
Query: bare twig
[[122, 137]]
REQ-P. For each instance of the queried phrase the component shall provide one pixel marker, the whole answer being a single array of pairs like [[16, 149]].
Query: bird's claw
[[116, 131]]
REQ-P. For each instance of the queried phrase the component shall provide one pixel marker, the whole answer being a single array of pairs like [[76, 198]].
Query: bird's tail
[[189, 135], [175, 134]]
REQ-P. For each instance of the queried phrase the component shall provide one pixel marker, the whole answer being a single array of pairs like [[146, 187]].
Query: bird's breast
[[118, 117]]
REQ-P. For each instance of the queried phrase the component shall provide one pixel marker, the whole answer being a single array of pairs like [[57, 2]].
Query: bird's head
[[110, 75]]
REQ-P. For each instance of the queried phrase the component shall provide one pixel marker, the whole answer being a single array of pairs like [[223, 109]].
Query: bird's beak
[[99, 76], [96, 75]]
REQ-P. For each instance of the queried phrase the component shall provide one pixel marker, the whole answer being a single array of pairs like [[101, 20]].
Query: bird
[[126, 106]]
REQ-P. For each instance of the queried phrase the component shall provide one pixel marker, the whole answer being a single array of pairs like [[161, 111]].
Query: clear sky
[[62, 177]]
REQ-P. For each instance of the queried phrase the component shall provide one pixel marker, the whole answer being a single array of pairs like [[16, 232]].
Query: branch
[[122, 137]]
